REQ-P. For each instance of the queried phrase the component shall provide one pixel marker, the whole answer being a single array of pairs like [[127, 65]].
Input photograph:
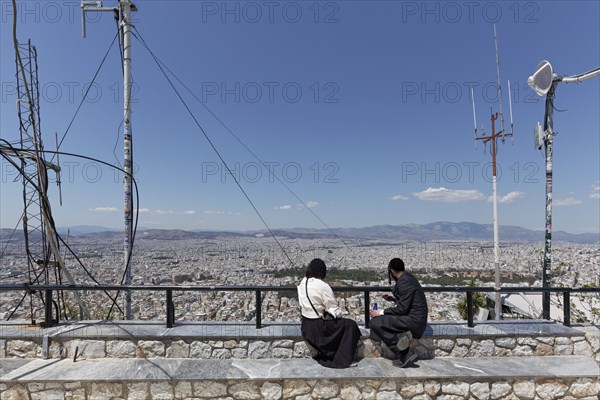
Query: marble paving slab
[[10, 364], [136, 370]]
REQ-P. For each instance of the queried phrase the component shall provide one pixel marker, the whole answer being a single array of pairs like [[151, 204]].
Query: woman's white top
[[321, 296]]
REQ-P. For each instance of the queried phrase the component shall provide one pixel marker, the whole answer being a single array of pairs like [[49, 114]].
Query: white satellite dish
[[538, 136], [541, 80]]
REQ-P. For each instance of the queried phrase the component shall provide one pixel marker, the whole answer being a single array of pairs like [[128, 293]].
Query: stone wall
[[403, 387], [343, 389], [258, 348]]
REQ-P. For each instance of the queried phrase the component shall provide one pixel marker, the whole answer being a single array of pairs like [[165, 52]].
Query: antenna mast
[[44, 260], [499, 88], [544, 82], [123, 13], [493, 138]]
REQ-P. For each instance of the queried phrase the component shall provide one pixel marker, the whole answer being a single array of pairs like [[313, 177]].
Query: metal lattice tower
[[44, 263], [33, 173]]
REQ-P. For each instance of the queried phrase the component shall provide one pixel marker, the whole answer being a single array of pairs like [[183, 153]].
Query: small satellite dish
[[538, 136], [541, 80]]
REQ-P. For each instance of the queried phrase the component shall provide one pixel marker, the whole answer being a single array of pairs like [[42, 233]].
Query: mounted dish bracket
[[92, 6]]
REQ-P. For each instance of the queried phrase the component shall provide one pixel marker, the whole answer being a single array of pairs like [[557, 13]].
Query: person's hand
[[376, 313], [388, 297]]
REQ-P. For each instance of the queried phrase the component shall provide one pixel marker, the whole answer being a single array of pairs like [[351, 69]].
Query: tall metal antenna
[[498, 86], [123, 13], [493, 138], [474, 114], [44, 260], [544, 82]]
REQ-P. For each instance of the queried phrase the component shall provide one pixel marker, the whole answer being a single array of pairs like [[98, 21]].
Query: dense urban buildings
[[174, 258]]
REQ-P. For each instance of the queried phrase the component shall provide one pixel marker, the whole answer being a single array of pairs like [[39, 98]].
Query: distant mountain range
[[443, 231], [436, 231], [78, 230]]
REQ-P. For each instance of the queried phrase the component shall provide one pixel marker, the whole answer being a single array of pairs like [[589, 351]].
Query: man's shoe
[[404, 341], [404, 359]]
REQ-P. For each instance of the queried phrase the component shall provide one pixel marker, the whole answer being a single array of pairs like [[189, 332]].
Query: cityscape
[[163, 257], [150, 248]]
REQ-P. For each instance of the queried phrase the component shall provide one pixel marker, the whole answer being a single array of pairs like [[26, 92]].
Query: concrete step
[[524, 377]]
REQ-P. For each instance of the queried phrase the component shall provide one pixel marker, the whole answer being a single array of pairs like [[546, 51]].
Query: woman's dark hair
[[316, 269], [396, 264]]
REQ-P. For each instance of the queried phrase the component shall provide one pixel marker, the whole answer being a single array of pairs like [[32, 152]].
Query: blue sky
[[362, 108]]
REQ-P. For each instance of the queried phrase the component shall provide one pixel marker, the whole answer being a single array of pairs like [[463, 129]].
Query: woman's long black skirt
[[336, 340]]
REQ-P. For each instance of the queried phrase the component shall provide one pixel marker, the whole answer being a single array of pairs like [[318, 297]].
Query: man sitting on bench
[[397, 325]]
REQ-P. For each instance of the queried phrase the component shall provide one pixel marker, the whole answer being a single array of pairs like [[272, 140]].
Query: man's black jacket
[[411, 304]]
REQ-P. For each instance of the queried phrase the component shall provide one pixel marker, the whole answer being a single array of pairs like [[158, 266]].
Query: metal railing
[[258, 290]]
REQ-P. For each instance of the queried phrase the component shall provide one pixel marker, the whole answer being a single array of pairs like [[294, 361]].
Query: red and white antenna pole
[[485, 139]]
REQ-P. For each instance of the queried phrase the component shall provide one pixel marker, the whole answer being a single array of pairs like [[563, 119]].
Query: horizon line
[[261, 230]]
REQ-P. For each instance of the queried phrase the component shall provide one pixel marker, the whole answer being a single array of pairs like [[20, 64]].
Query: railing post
[[170, 309], [567, 308], [367, 309], [258, 309], [470, 309], [48, 308]]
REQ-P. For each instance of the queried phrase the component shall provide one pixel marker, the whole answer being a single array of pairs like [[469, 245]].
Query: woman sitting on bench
[[334, 338]]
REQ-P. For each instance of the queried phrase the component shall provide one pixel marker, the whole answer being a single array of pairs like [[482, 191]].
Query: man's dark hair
[[396, 264], [316, 269]]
